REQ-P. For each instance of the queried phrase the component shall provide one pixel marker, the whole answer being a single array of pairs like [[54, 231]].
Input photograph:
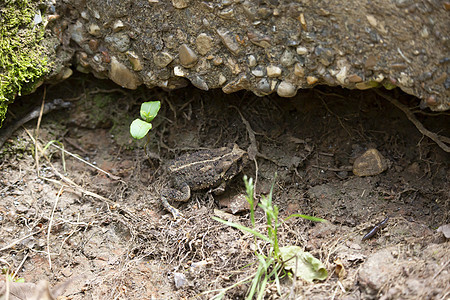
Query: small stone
[[285, 89], [84, 15], [123, 76], [273, 71], [162, 59], [431, 101], [94, 30], [64, 74], [299, 70], [93, 45], [377, 270], [354, 78], [133, 58], [301, 50], [273, 84], [251, 61], [199, 83], [118, 26], [222, 79], [180, 280], [229, 41], [370, 163], [120, 41], [342, 75], [188, 58], [217, 61], [258, 71], [287, 59], [241, 83], [76, 32], [445, 229], [179, 71], [227, 13], [371, 62], [203, 43], [263, 86], [233, 65], [372, 20], [311, 80], [180, 4]]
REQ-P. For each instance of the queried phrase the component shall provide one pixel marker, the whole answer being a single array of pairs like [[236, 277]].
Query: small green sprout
[[139, 128]]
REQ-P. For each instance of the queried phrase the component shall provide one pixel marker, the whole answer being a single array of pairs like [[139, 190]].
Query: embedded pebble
[[273, 71], [199, 83], [238, 84], [285, 89], [133, 58], [179, 71], [299, 70], [120, 41], [370, 163], [118, 26], [227, 13], [354, 78], [188, 58], [229, 41], [263, 86], [94, 30], [162, 59], [93, 45], [76, 32], [180, 4], [342, 75], [301, 50], [203, 43], [251, 61], [287, 59], [311, 80], [258, 71], [123, 76], [222, 79], [217, 61]]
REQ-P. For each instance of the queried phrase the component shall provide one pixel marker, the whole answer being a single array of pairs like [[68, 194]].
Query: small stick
[[20, 266], [440, 270], [20, 239], [50, 225], [86, 162]]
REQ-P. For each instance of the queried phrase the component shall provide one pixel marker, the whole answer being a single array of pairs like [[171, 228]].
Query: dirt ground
[[100, 236]]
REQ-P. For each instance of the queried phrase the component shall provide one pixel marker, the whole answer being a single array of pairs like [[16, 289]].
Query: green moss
[[22, 61]]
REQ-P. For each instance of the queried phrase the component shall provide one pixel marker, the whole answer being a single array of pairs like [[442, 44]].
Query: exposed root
[[439, 140]]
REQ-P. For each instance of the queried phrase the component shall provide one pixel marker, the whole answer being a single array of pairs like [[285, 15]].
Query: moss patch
[[22, 61]]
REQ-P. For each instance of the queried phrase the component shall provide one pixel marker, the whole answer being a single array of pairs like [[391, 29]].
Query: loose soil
[[108, 237]]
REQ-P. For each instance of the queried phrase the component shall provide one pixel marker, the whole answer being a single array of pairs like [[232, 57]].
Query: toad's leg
[[182, 195]]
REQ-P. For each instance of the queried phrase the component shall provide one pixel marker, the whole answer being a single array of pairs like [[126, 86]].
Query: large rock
[[265, 46]]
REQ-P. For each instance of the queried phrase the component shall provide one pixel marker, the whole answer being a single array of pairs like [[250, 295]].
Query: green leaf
[[311, 218], [139, 128], [149, 110], [303, 264], [243, 228]]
